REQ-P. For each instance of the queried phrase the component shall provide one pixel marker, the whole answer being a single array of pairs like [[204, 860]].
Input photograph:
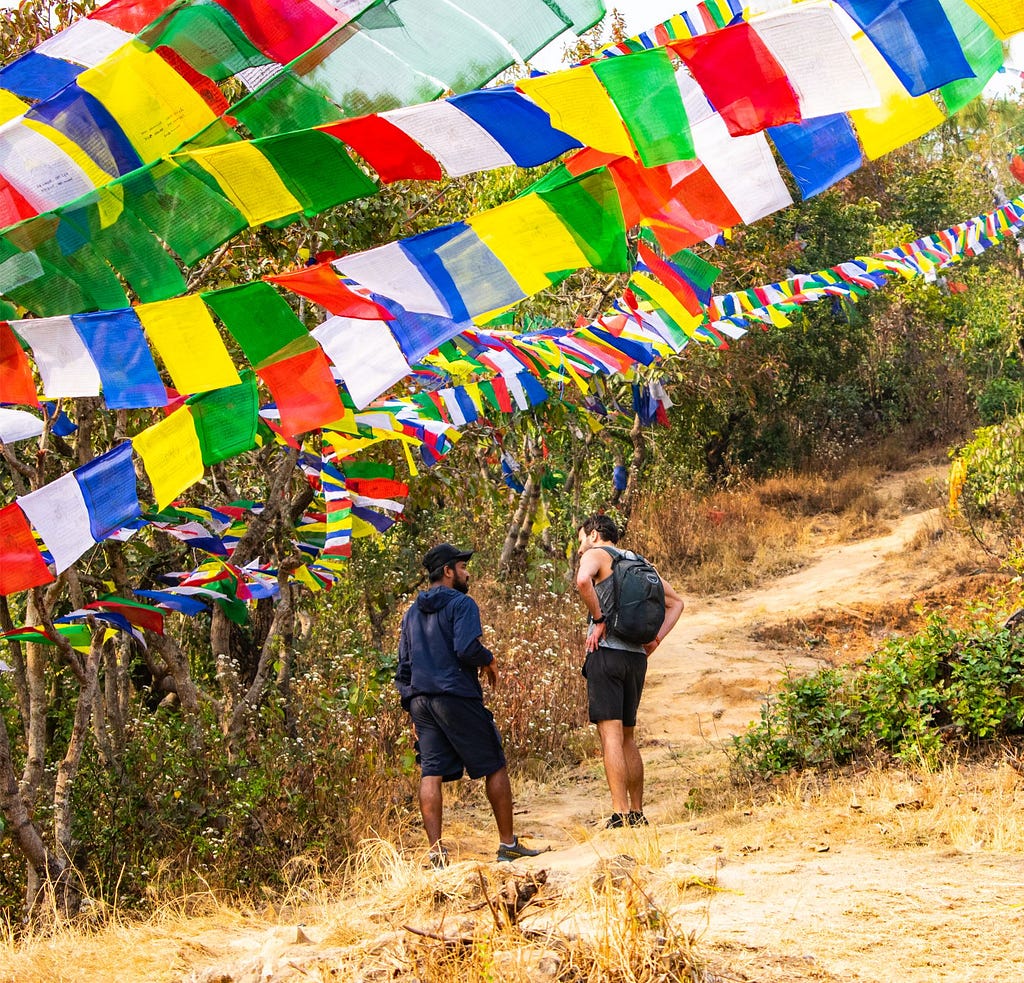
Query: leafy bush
[[919, 698]]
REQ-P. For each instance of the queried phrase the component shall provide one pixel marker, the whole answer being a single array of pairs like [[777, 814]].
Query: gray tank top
[[606, 596]]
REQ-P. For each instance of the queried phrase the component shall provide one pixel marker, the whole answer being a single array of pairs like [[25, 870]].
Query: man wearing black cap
[[440, 659]]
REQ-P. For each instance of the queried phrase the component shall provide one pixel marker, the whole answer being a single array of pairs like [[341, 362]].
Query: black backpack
[[639, 598]]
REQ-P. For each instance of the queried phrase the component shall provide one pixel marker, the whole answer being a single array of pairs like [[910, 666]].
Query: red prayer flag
[[21, 563], [1017, 167], [392, 153], [13, 207], [377, 487], [741, 78], [306, 395], [675, 283], [16, 382], [142, 616], [501, 393], [283, 29], [322, 285], [130, 16]]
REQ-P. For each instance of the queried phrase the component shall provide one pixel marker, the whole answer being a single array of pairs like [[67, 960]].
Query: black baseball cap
[[444, 555]]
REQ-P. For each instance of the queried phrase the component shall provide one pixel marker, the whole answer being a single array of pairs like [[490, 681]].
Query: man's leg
[[430, 808], [634, 769], [499, 794], [615, 765]]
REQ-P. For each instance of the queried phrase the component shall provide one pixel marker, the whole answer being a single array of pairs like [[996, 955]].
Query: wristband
[[599, 621]]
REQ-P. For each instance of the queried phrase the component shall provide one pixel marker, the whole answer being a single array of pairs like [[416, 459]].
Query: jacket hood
[[435, 599]]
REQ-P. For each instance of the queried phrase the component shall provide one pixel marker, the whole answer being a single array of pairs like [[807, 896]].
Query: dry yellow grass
[[616, 906]]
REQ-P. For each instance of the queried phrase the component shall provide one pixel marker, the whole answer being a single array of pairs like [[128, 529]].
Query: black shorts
[[456, 734], [615, 682]]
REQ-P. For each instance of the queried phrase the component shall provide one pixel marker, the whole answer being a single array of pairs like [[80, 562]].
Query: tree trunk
[[523, 516]]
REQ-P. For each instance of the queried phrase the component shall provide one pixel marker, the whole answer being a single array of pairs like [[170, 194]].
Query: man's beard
[[462, 586]]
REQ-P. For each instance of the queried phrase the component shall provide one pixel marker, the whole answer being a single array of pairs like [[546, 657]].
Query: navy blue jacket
[[439, 649]]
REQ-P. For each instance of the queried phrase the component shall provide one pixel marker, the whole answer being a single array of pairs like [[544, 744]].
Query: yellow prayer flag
[[540, 519], [778, 318], [157, 109], [529, 240], [171, 455], [1006, 17], [184, 335], [667, 301], [249, 181], [900, 118], [303, 576], [10, 106], [578, 104]]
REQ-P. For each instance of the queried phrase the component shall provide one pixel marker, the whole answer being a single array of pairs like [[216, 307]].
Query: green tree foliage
[[923, 699]]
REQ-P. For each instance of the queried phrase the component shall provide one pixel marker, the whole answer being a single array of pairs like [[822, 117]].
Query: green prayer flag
[[644, 90], [589, 207], [284, 103], [982, 49], [226, 419], [316, 169], [369, 469], [259, 319], [187, 214]]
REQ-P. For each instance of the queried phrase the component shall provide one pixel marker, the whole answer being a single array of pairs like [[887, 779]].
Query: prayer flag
[[261, 321], [579, 105], [23, 566], [59, 514], [304, 390], [320, 284], [818, 152], [118, 347], [184, 335], [109, 489], [226, 419], [365, 353], [392, 153], [171, 454], [16, 382], [65, 365], [740, 78]]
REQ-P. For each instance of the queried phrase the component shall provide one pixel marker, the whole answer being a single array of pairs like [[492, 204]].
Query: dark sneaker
[[637, 819], [615, 821], [438, 858], [517, 851]]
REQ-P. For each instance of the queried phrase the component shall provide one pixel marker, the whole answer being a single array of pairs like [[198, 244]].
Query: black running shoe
[[637, 819], [517, 851]]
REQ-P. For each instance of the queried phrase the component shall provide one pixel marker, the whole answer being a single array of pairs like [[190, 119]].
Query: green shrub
[[918, 698]]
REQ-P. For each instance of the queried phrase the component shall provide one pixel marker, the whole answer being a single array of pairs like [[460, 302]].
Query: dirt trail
[[834, 899]]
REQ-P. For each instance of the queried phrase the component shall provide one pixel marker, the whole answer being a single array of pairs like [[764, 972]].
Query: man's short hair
[[603, 526]]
